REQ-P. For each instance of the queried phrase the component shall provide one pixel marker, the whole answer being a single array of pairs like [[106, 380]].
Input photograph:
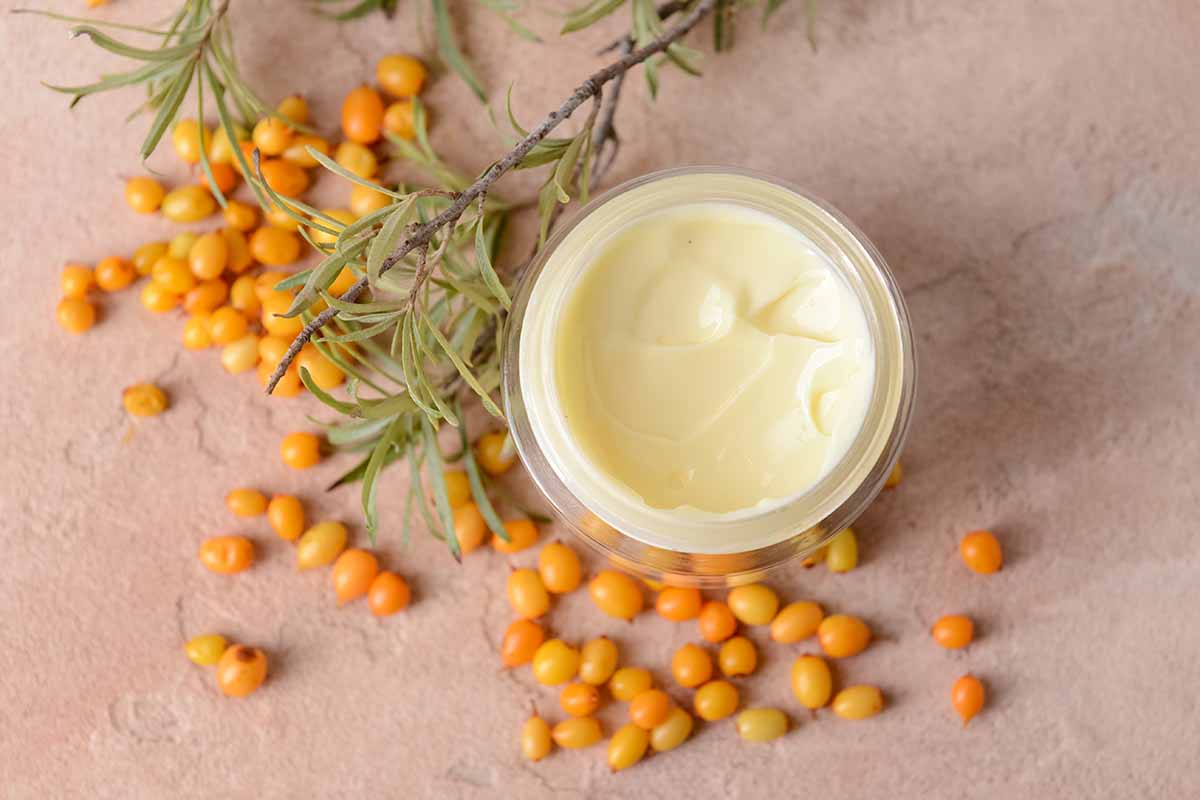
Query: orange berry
[[796, 621], [521, 640], [271, 136], [195, 331], [616, 594], [284, 177], [297, 152], [522, 534], [75, 314], [353, 573], [300, 450], [753, 604], [190, 203], [469, 527], [678, 604], [495, 452], [145, 256], [241, 670], [172, 275], [294, 107], [274, 306], [144, 400], [246, 502], [114, 274], [274, 247], [579, 699], [144, 195], [227, 554], [240, 216], [157, 299], [227, 324], [365, 200], [954, 631], [398, 119], [362, 115], [717, 622], [650, 708], [208, 256], [286, 516], [980, 552], [243, 297], [526, 594], [967, 696], [76, 280], [716, 700], [858, 702], [357, 158], [205, 296], [240, 258], [401, 75], [842, 636], [224, 175], [324, 372], [691, 665], [458, 487], [288, 386], [560, 568], [737, 656], [388, 594], [894, 477]]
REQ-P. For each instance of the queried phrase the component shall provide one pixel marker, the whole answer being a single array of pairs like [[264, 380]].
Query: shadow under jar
[[708, 373]]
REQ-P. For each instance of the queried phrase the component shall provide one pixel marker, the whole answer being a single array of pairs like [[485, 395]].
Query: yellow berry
[[238, 248], [208, 256], [76, 280], [300, 450], [186, 139], [966, 695], [320, 545], [812, 682], [894, 477], [555, 662], [717, 622], [398, 120], [246, 502], [458, 488], [577, 732], [286, 516], [362, 115], [815, 557], [144, 195], [145, 256], [598, 661], [691, 665], [761, 724], [649, 708], [274, 247], [536, 739], [616, 594], [172, 275], [181, 245], [673, 732], [842, 635], [344, 217], [579, 699], [521, 640], [227, 555], [274, 306], [297, 152], [243, 297], [353, 573], [560, 568], [678, 604], [737, 656], [981, 552], [240, 355], [357, 158], [294, 107], [324, 372], [240, 216], [842, 553], [470, 529], [400, 75], [858, 702], [144, 400], [796, 621], [205, 296], [220, 151], [241, 670], [522, 534], [342, 283], [157, 299], [365, 200], [113, 273], [716, 700], [190, 203], [271, 136], [627, 747], [495, 452], [195, 332], [753, 604], [205, 650], [954, 631], [75, 314], [526, 594], [628, 682]]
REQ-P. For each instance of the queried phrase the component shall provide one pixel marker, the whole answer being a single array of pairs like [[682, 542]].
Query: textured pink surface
[[1029, 169]]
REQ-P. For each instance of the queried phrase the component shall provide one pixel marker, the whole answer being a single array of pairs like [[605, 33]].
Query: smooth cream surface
[[709, 358]]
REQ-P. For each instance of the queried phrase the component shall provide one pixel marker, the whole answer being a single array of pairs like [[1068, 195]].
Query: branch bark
[[420, 237]]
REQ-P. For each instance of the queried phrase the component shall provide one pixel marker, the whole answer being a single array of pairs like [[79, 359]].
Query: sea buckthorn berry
[[186, 139], [240, 216], [981, 552], [356, 158], [365, 200], [717, 622], [274, 306], [953, 631], [205, 650], [470, 529], [458, 487], [205, 296], [353, 573], [362, 115], [240, 355], [342, 283], [842, 552], [285, 513], [627, 747], [691, 665], [598, 661], [894, 477], [300, 450], [274, 247], [75, 314], [224, 178], [195, 332], [673, 732], [398, 120], [240, 258], [576, 733], [753, 604], [241, 670], [157, 299], [297, 152], [816, 557], [284, 177], [144, 195], [208, 256], [247, 148], [227, 324], [796, 621], [145, 256], [858, 702], [522, 534], [737, 656], [761, 724], [227, 554], [344, 217], [288, 386], [172, 275], [181, 244], [272, 348], [389, 594], [190, 203], [243, 297], [579, 699], [526, 594], [628, 682], [536, 739], [144, 400], [650, 708], [967, 696], [495, 452], [323, 372], [555, 662], [521, 640], [812, 682], [294, 107], [271, 136], [320, 545], [220, 151], [400, 75], [678, 604], [616, 594], [246, 502], [842, 636], [113, 274], [560, 568], [716, 700]]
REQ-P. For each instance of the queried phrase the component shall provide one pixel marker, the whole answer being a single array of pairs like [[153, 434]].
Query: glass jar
[[644, 540]]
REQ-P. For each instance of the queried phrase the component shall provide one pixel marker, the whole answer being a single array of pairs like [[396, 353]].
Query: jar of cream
[[708, 373]]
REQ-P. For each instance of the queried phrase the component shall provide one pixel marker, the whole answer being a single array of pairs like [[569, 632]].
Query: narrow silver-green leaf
[[589, 14], [483, 260], [449, 51], [170, 107], [437, 480], [463, 369]]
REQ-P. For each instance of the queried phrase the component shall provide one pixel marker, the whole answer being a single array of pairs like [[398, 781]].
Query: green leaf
[[504, 11], [95, 22], [450, 53], [226, 120], [187, 47], [770, 8], [435, 471], [325, 397], [462, 368], [547, 198], [414, 487], [590, 13], [483, 260], [142, 74], [390, 439], [205, 166], [170, 107], [810, 13], [386, 241]]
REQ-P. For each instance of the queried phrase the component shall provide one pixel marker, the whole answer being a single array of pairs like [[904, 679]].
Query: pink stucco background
[[1030, 171]]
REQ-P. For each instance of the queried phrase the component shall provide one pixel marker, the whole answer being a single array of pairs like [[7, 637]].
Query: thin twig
[[421, 236], [606, 142], [667, 9]]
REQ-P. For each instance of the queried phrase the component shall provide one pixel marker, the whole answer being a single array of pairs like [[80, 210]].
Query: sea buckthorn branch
[[421, 235]]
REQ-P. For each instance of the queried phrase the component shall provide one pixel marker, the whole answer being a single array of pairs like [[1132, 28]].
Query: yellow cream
[[710, 359]]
